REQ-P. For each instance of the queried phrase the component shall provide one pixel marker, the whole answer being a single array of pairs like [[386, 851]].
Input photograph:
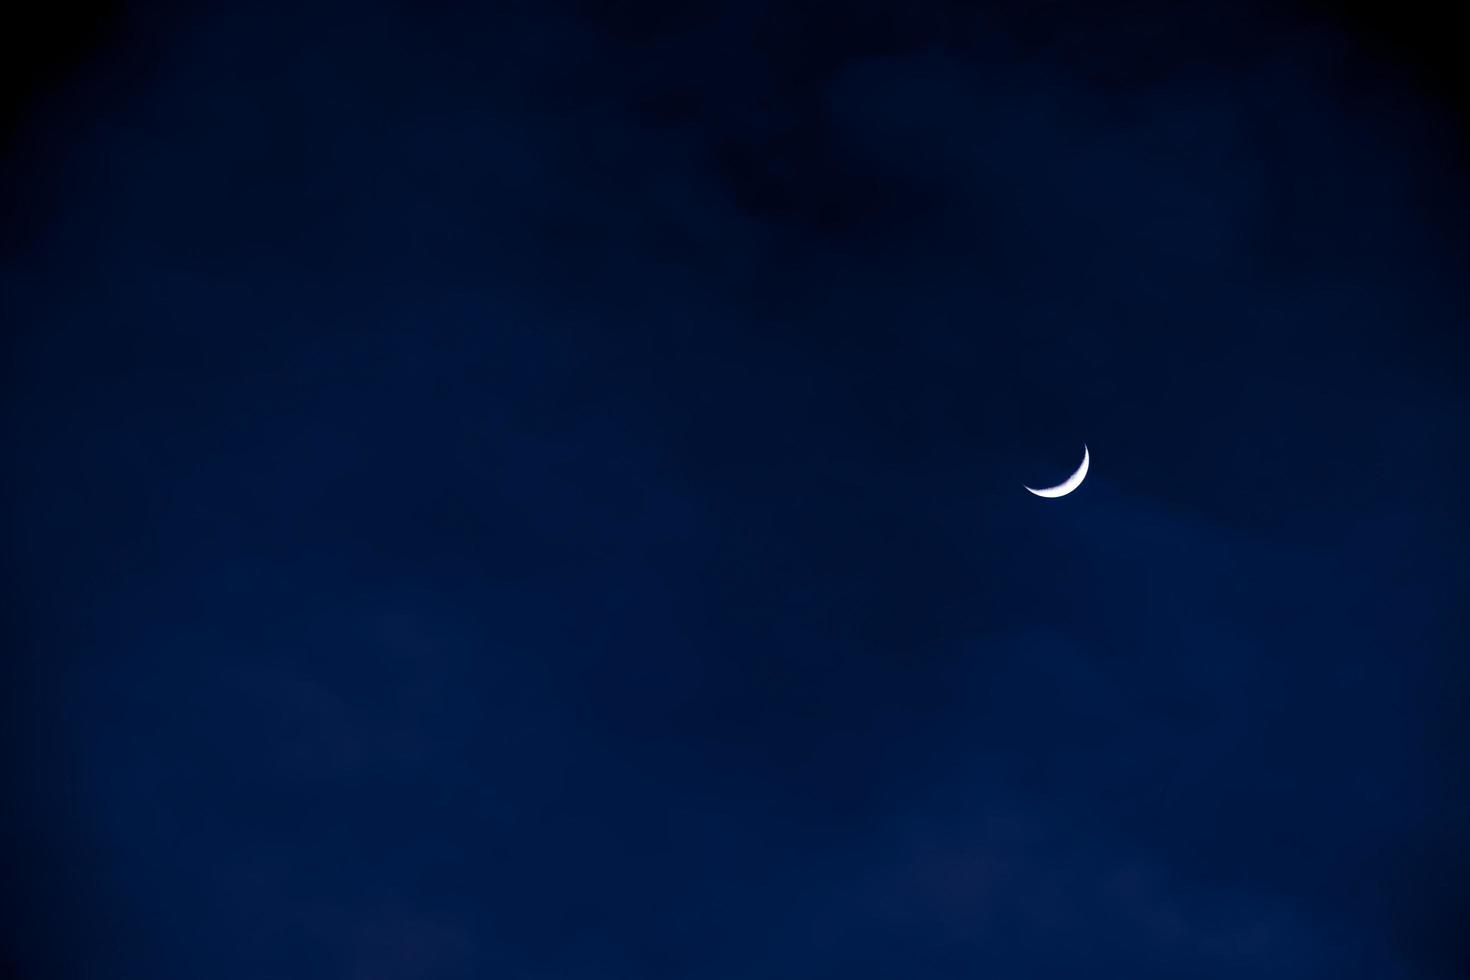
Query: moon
[[1070, 483]]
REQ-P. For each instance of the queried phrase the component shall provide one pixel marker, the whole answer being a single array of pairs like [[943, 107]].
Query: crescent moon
[[1070, 483]]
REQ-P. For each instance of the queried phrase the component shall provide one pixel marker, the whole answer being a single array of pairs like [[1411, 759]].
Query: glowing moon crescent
[[1070, 483]]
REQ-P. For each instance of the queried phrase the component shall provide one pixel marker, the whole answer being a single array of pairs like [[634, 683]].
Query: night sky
[[537, 492]]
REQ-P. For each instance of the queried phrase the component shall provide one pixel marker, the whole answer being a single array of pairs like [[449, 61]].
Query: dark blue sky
[[538, 494]]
